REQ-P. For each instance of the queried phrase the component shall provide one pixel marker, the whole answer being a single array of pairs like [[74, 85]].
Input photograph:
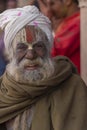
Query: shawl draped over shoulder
[[60, 101]]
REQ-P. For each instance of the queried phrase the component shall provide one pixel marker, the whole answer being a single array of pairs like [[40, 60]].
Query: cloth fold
[[17, 97]]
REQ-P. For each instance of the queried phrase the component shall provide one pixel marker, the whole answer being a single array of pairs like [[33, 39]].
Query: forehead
[[30, 35]]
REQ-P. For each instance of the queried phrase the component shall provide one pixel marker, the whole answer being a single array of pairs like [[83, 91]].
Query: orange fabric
[[67, 39]]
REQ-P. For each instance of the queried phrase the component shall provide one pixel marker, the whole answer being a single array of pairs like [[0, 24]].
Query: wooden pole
[[83, 36]]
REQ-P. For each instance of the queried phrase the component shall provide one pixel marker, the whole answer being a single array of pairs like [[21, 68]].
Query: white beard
[[44, 71]]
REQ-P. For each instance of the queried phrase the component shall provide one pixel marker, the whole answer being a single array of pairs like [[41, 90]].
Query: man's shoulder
[[64, 62], [70, 87]]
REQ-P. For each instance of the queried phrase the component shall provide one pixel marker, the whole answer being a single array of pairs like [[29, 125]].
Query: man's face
[[57, 7], [30, 61]]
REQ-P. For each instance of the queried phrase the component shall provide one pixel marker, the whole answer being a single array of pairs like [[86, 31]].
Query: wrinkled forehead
[[30, 35]]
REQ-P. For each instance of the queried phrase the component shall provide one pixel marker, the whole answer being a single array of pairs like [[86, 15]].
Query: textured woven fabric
[[60, 101]]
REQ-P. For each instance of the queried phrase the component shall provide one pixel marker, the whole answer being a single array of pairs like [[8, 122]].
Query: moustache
[[27, 62]]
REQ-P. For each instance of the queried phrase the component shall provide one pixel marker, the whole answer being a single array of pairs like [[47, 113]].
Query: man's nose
[[30, 54]]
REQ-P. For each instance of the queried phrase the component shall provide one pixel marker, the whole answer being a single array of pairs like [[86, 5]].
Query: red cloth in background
[[67, 39]]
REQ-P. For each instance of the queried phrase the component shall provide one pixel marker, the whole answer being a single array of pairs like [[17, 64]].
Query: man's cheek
[[41, 53], [19, 57]]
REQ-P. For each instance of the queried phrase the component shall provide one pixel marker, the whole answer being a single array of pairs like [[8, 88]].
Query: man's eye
[[21, 47], [38, 47]]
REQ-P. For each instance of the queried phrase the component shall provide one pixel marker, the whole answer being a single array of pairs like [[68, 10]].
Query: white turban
[[13, 20]]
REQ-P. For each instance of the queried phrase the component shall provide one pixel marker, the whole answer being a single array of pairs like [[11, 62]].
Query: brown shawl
[[64, 108], [16, 97]]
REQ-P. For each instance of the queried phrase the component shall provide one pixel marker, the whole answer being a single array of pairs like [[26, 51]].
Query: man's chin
[[29, 75]]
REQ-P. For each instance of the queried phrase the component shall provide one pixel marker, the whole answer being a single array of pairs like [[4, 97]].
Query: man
[[36, 91], [67, 36]]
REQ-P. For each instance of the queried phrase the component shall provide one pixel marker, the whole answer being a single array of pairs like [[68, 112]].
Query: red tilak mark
[[29, 35]]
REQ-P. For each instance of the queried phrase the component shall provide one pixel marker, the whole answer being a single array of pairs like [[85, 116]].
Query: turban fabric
[[13, 20]]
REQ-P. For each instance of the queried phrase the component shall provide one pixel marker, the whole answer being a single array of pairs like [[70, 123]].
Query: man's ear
[[67, 2]]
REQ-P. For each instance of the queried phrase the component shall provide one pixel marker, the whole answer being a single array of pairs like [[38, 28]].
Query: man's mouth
[[31, 67]]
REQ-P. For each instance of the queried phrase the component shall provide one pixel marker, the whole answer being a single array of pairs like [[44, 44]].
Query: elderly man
[[36, 91]]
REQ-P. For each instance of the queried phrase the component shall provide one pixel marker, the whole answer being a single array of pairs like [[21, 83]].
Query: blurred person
[[11, 4], [44, 8], [3, 60], [38, 92], [67, 38]]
